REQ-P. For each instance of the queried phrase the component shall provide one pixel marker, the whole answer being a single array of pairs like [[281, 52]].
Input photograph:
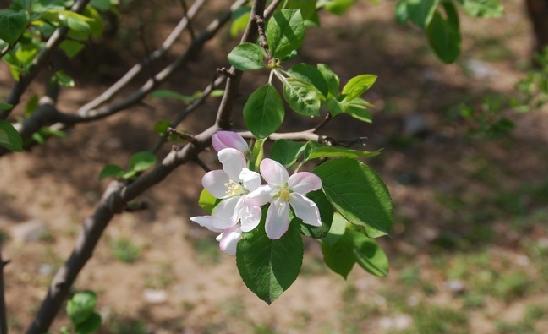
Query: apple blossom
[[285, 191], [229, 139]]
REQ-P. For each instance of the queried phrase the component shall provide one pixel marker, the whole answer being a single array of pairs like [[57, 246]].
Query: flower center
[[283, 194], [234, 189]]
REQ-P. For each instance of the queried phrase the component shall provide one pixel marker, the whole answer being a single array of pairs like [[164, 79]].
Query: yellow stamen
[[234, 189], [283, 194]]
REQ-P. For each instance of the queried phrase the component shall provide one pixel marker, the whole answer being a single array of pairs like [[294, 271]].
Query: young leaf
[[338, 7], [310, 74], [264, 111], [141, 161], [285, 32], [326, 213], [483, 8], [257, 153], [358, 85], [247, 56], [240, 18], [161, 126], [90, 325], [12, 24], [111, 170], [63, 79], [444, 34], [10, 137], [369, 255], [287, 152], [207, 202], [5, 106], [357, 193], [302, 97], [81, 306], [338, 247], [71, 48], [319, 151], [269, 267], [308, 10], [357, 108]]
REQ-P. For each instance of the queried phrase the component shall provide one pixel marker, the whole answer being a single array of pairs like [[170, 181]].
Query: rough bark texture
[[538, 14]]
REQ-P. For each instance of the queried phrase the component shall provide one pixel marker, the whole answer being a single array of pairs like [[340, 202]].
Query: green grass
[[125, 250], [433, 319]]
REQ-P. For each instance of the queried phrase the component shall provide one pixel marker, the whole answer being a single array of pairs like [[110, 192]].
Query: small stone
[[398, 322], [456, 287], [45, 269], [153, 296], [480, 69], [29, 232]]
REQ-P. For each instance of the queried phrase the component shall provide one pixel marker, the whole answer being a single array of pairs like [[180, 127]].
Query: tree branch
[[118, 195], [305, 135], [53, 42]]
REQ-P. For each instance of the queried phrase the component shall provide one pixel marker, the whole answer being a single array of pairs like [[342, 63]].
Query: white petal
[[228, 240], [207, 222], [233, 162], [304, 182], [261, 195], [277, 219], [215, 182], [248, 214], [305, 209], [224, 213], [250, 180], [273, 172]]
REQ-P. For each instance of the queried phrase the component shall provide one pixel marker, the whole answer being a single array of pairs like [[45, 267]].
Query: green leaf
[[10, 137], [12, 24], [338, 7], [76, 22], [483, 8], [357, 108], [302, 97], [269, 267], [331, 80], [444, 34], [247, 56], [310, 74], [81, 306], [285, 32], [320, 151], [71, 48], [338, 247], [308, 10], [141, 161], [326, 214], [103, 5], [111, 170], [369, 255], [264, 111], [5, 106], [420, 12], [63, 79], [240, 19], [357, 193], [207, 201], [161, 126], [90, 325], [287, 152], [358, 85], [217, 93]]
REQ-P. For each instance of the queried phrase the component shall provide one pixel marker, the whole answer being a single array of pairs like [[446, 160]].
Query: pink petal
[[233, 162], [224, 213], [277, 219], [215, 182], [248, 214], [273, 172], [226, 139], [228, 240], [250, 180], [305, 209], [260, 196], [304, 182], [207, 222]]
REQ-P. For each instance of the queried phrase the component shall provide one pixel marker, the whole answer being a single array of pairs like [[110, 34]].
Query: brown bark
[[538, 14]]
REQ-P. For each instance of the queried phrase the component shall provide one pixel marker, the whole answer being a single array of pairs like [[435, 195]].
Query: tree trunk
[[538, 14]]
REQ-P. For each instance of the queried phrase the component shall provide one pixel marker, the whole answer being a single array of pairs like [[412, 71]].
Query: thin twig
[[3, 311], [185, 12]]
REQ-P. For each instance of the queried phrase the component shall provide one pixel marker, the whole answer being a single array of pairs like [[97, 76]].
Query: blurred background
[[468, 176]]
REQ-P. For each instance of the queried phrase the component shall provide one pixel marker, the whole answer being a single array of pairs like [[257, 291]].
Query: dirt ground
[[469, 252]]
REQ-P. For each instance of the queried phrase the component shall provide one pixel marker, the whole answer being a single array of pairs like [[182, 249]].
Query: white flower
[[283, 191], [231, 185], [225, 139]]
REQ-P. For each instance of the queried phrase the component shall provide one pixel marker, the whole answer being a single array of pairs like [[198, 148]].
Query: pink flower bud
[[229, 139]]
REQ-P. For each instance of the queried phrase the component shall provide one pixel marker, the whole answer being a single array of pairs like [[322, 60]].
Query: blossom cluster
[[242, 194]]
